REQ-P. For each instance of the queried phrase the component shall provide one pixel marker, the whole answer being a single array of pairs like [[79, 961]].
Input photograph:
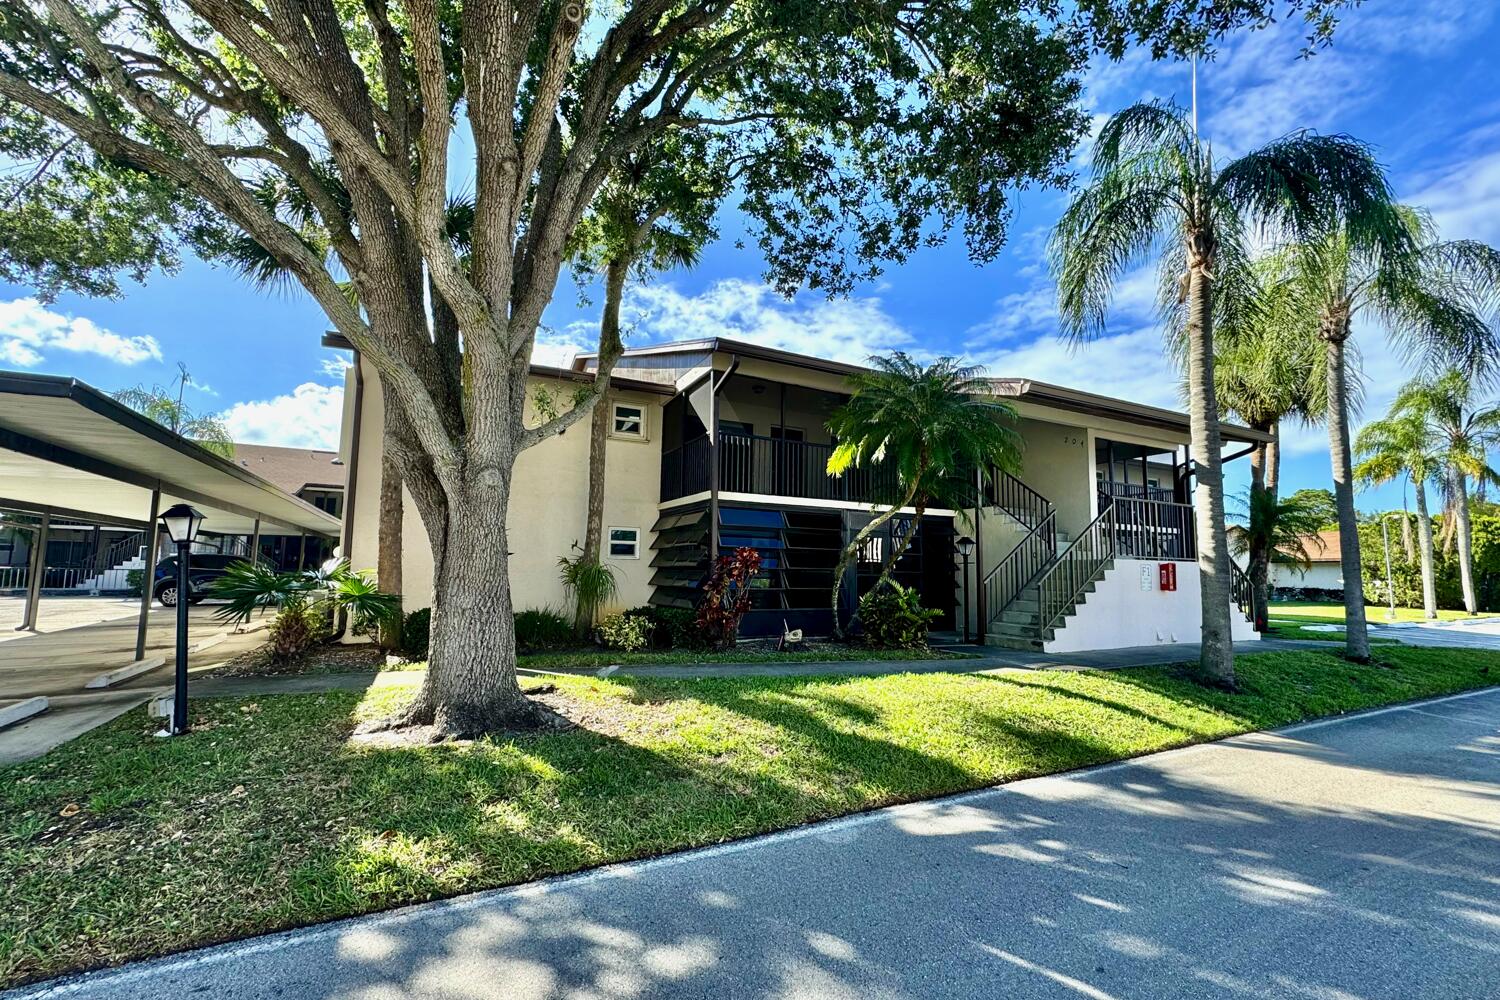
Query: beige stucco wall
[[1058, 463], [549, 497]]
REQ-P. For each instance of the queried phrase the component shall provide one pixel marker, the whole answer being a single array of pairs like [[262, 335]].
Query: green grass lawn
[[593, 659], [1373, 612], [119, 845]]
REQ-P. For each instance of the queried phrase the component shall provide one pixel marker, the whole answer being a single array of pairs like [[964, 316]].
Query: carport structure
[[70, 452]]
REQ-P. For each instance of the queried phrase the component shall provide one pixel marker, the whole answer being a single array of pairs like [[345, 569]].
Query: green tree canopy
[[322, 131]]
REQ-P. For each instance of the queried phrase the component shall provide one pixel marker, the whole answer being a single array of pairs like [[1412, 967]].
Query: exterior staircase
[[1041, 582], [115, 564]]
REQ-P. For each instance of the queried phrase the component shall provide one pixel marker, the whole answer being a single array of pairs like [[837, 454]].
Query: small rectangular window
[[625, 543], [630, 420]]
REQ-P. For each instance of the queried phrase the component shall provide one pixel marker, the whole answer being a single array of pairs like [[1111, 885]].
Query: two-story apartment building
[[716, 444]]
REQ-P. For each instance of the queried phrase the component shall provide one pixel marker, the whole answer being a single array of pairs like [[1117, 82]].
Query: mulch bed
[[330, 659]]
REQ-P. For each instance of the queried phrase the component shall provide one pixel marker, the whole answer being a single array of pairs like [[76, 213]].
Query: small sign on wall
[[1146, 581]]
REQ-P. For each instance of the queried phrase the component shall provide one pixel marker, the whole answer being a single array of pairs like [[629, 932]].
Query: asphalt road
[[1358, 858]]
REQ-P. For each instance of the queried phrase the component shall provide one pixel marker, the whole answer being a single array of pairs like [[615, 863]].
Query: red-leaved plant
[[726, 597]]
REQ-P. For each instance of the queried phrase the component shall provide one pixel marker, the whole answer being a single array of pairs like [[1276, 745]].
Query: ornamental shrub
[[726, 597], [893, 617], [628, 633], [671, 628], [416, 631], [540, 629]]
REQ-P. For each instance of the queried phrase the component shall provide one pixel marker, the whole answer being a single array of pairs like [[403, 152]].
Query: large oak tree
[[329, 132]]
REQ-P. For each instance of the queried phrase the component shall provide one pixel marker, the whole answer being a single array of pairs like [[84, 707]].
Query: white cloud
[[335, 366], [308, 417], [839, 329], [27, 329], [1464, 199], [1128, 365]]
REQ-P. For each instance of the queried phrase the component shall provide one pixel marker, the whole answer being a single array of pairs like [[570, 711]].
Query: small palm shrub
[[416, 633], [893, 618], [589, 584], [629, 633], [297, 628], [307, 603], [542, 628]]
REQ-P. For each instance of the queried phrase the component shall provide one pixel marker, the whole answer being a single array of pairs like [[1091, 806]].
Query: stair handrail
[[1241, 590], [1077, 566], [1023, 500], [1004, 583]]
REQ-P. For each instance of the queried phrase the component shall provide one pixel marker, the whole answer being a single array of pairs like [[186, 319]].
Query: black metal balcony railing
[[1152, 529], [1135, 491], [771, 467]]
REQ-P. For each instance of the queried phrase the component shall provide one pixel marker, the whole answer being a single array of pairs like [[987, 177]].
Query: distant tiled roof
[[293, 469], [1322, 547]]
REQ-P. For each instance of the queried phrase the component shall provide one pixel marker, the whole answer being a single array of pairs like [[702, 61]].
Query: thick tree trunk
[[1356, 634], [471, 686], [388, 527], [1216, 658], [1424, 547], [610, 347], [1465, 540]]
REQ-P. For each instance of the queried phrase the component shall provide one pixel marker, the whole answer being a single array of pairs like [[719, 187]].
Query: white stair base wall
[[1119, 613]]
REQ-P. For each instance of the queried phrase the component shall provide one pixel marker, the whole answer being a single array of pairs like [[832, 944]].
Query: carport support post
[[255, 545], [148, 575], [34, 574], [301, 549]]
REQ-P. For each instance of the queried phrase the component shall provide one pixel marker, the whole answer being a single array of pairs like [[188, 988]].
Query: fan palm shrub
[[1430, 297], [933, 426], [306, 602], [1157, 191]]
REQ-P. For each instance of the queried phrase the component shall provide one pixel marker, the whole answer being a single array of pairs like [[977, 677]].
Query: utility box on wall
[[1167, 575]]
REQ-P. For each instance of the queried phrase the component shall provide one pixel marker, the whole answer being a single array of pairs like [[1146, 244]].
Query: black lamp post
[[181, 525], [966, 549]]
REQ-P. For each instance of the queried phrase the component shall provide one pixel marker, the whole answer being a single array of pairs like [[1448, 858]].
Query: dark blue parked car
[[203, 568]]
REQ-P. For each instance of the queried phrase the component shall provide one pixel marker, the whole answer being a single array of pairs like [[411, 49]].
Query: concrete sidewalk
[[1350, 858]]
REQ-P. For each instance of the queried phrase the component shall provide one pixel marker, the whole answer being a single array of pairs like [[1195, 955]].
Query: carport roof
[[68, 448]]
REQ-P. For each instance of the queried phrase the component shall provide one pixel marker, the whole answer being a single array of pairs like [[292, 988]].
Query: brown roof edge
[[1044, 393], [339, 342], [1079, 401]]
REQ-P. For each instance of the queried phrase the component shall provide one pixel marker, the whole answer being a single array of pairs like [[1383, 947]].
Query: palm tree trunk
[[850, 550], [1356, 634], [899, 550], [1465, 540], [610, 348], [1424, 546], [1216, 656]]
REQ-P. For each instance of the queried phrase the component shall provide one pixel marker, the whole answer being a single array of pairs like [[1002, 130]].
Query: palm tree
[[1399, 445], [164, 405], [1156, 191], [1279, 527], [1460, 433], [933, 425], [1265, 372], [1430, 298], [655, 213]]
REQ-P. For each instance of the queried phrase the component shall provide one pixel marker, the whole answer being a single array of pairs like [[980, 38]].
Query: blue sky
[[1416, 81]]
